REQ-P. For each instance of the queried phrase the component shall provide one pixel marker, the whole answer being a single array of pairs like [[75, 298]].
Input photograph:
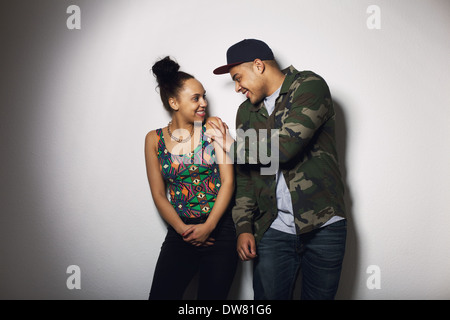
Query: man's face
[[248, 81]]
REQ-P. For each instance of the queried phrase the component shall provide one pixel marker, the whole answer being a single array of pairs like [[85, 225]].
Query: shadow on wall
[[350, 267]]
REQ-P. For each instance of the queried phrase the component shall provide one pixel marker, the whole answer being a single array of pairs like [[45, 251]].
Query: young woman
[[201, 235]]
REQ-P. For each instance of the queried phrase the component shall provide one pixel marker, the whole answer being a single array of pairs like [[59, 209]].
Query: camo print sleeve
[[305, 111], [245, 205]]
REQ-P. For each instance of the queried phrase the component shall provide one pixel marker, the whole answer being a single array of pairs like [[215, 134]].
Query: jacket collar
[[290, 73]]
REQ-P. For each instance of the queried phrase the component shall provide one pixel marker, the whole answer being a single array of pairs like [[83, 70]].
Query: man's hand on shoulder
[[218, 131]]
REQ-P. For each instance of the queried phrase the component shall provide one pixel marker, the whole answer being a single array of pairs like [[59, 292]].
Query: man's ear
[[258, 66], [173, 104]]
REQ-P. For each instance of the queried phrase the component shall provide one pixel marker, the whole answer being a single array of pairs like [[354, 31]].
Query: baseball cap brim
[[225, 68]]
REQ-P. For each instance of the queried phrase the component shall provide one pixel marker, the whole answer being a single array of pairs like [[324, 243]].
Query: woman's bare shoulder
[[151, 138], [214, 120]]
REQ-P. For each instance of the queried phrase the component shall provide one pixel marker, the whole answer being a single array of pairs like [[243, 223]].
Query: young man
[[294, 218]]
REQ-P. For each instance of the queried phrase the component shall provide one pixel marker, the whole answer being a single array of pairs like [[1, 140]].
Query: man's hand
[[246, 246], [220, 134]]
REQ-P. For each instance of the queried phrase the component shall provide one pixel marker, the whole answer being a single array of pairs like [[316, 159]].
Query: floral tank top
[[193, 179]]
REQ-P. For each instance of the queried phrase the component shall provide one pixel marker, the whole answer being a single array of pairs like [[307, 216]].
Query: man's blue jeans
[[318, 254]]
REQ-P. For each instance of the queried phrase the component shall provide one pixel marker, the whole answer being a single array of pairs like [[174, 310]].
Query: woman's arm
[[227, 181], [245, 205], [157, 185], [201, 232]]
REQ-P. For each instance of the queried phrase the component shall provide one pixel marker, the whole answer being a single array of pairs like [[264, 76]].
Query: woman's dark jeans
[[179, 262]]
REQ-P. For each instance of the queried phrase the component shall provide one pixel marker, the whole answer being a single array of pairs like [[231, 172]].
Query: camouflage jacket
[[304, 123]]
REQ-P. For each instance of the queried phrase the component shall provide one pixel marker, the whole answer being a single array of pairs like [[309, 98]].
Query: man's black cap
[[245, 51]]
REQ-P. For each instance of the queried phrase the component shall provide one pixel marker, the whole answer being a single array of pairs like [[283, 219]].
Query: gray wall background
[[76, 105]]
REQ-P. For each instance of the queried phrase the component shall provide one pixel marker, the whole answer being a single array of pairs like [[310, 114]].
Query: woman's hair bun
[[170, 79], [165, 70]]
